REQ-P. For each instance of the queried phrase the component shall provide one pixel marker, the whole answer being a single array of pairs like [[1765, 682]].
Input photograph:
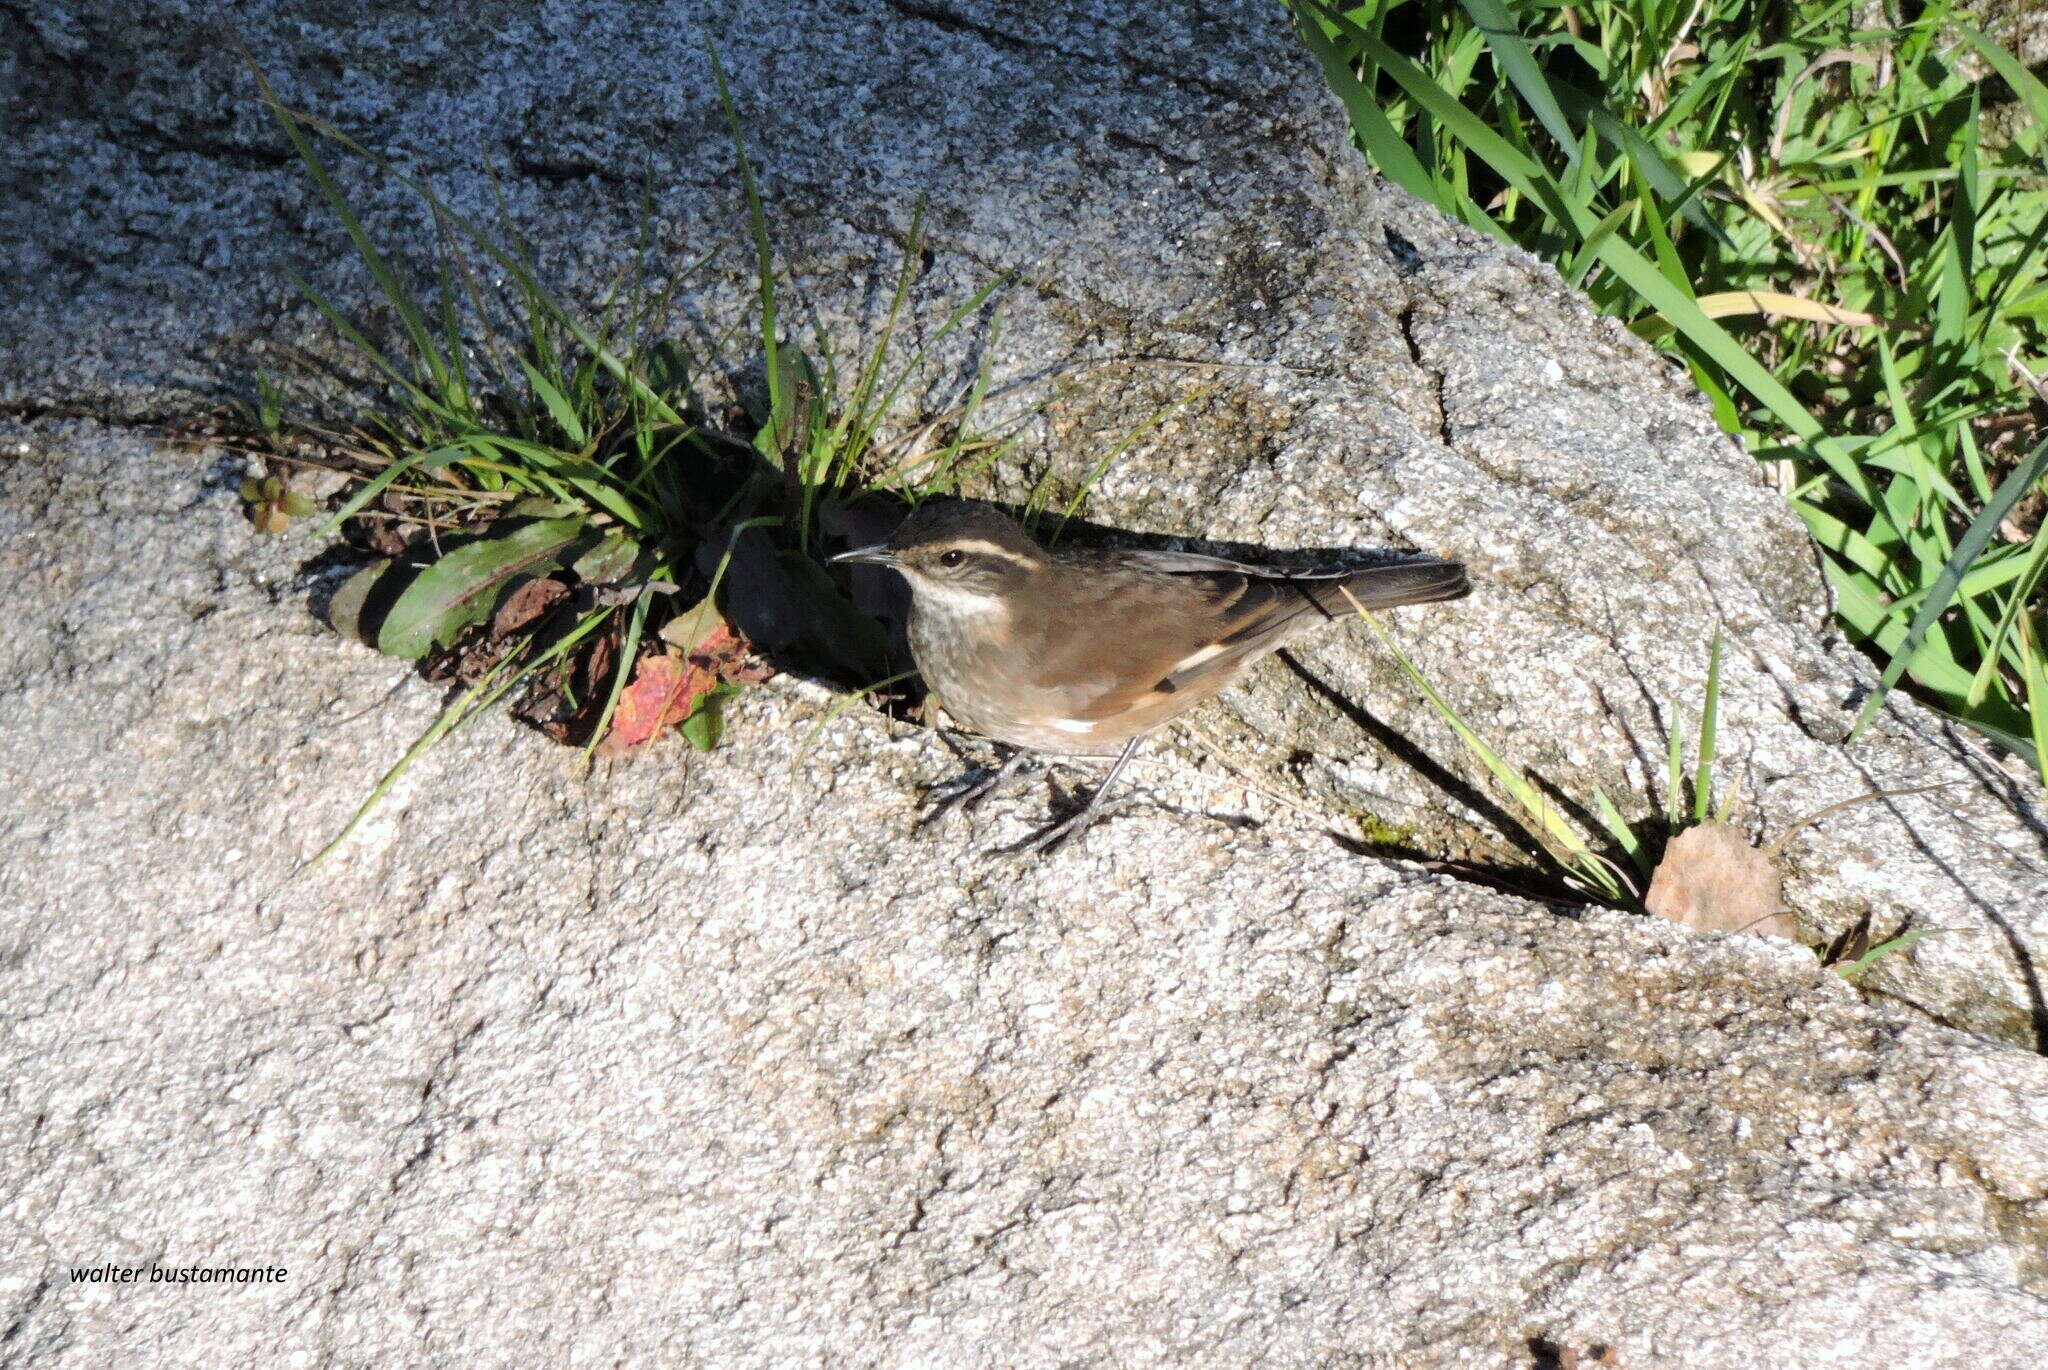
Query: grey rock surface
[[1173, 187], [706, 1061]]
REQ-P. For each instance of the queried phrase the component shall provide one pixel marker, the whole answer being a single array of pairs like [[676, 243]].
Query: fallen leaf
[[526, 605], [693, 625], [572, 696], [1713, 880], [664, 690], [711, 643], [391, 537]]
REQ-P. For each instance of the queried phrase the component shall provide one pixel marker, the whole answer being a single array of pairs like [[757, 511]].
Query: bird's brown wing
[[1188, 625], [1152, 636]]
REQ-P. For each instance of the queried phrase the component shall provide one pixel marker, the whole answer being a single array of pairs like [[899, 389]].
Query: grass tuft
[[1840, 226], [519, 440]]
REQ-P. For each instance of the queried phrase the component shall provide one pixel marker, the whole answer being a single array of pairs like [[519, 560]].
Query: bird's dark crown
[[951, 534]]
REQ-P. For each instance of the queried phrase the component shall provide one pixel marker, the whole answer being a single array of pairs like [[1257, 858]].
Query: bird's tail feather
[[1422, 581]]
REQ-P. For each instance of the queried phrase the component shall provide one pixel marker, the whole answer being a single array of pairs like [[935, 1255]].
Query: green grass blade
[[2035, 672], [377, 484], [1891, 946], [478, 697], [757, 223], [1552, 830], [1942, 593], [1123, 445], [410, 318], [2024, 83], [1676, 304], [1617, 827], [558, 407], [1512, 52], [629, 652], [1387, 149]]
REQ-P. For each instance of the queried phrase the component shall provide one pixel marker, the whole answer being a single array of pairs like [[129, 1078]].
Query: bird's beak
[[877, 555]]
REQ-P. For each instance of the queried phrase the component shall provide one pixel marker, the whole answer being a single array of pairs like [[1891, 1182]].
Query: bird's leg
[[970, 789], [1057, 836]]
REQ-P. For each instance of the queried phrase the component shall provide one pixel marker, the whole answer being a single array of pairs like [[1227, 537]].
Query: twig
[[1771, 851]]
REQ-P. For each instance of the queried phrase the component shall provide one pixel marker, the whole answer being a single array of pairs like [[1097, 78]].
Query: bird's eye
[[952, 558]]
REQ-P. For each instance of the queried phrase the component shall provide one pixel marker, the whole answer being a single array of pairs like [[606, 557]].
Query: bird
[[1071, 651]]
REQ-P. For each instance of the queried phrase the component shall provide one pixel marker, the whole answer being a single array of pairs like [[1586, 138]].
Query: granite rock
[[708, 1059], [1187, 227]]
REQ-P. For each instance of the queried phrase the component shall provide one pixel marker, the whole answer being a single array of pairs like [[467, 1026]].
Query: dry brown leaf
[[585, 678], [1713, 880], [526, 605]]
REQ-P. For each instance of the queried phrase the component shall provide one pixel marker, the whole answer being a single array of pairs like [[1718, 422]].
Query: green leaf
[[345, 608], [834, 631], [611, 561], [463, 587], [668, 367], [796, 403], [706, 723], [1648, 161]]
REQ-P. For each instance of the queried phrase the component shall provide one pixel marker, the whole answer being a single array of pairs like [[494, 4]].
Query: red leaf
[[663, 692], [712, 645], [729, 657]]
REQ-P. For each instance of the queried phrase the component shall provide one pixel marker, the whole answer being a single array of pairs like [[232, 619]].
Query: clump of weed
[[1840, 225], [554, 504]]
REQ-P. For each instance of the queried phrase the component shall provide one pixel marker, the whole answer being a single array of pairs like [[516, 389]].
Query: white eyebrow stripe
[[988, 549]]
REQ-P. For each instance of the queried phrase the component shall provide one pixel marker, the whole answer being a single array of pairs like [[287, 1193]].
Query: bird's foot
[[968, 791], [1059, 834], [1046, 841]]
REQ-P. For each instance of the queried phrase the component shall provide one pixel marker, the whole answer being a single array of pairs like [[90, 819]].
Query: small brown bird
[[1076, 652]]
